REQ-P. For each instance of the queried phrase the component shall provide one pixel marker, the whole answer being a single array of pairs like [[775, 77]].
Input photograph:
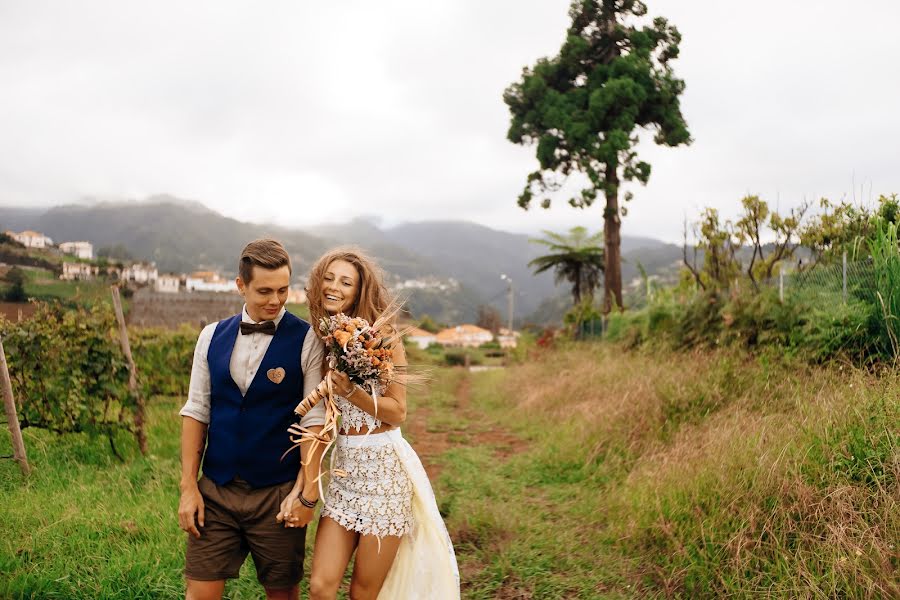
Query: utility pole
[[510, 299]]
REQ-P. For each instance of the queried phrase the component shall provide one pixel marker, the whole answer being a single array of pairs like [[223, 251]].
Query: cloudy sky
[[299, 112]]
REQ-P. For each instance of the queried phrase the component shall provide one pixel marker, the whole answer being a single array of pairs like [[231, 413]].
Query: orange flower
[[342, 337]]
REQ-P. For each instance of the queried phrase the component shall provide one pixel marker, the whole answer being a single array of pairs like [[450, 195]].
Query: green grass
[[44, 285], [584, 472], [85, 525], [298, 310]]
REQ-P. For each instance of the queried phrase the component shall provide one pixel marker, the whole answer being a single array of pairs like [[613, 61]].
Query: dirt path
[[430, 443]]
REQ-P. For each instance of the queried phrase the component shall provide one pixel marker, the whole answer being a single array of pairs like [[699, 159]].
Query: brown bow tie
[[266, 327]]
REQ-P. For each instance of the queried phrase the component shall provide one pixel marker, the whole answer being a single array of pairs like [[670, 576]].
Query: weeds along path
[[447, 420], [594, 472]]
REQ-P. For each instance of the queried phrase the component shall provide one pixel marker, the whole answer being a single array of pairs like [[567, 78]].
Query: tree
[[489, 318], [428, 324], [16, 291], [750, 227], [719, 247], [583, 109], [723, 243], [577, 258], [843, 227]]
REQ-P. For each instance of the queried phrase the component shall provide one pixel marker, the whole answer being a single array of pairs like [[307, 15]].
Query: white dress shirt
[[246, 357]]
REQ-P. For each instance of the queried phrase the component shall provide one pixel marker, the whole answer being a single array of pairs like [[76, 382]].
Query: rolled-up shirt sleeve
[[198, 403], [311, 361]]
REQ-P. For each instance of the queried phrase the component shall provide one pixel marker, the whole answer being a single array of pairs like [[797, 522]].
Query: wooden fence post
[[12, 419], [132, 371]]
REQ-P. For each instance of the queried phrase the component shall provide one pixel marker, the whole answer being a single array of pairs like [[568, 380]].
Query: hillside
[[182, 236]]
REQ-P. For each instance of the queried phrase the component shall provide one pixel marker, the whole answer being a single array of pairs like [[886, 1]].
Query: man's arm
[[193, 441], [292, 511], [194, 424]]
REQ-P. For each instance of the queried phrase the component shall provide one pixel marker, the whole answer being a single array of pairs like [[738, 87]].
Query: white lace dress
[[369, 491], [379, 487]]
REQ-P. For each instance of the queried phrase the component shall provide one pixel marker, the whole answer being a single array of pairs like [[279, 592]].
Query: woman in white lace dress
[[379, 502]]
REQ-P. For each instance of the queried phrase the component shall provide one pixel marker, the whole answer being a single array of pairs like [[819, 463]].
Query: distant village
[[145, 276]]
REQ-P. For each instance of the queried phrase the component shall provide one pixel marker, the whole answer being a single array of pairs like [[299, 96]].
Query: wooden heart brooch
[[275, 375]]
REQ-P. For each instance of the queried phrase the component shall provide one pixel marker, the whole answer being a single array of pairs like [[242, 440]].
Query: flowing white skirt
[[425, 566]]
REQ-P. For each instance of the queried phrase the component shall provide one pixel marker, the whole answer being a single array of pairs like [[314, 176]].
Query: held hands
[[191, 504], [293, 513]]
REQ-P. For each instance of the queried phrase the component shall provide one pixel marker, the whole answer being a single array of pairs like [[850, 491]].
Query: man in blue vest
[[249, 373]]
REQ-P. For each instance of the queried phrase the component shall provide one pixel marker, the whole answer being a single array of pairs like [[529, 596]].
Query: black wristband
[[307, 503]]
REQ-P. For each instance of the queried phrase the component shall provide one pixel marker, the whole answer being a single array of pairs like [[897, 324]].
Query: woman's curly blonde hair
[[372, 299]]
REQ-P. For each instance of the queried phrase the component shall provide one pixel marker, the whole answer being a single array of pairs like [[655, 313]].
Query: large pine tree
[[584, 108]]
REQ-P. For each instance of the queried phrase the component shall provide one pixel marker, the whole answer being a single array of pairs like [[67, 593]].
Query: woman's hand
[[342, 384], [292, 512]]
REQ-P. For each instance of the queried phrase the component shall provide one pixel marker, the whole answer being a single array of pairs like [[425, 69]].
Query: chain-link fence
[[829, 283], [837, 281]]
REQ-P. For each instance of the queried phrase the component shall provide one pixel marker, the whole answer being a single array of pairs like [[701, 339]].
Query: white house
[[140, 273], [421, 337], [208, 281], [168, 284], [507, 338], [470, 336], [83, 250], [81, 271], [31, 239]]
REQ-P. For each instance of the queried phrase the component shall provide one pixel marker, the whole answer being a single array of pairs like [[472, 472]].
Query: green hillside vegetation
[[181, 236], [43, 284]]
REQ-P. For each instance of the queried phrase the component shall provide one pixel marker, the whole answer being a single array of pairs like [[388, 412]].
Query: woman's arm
[[391, 406]]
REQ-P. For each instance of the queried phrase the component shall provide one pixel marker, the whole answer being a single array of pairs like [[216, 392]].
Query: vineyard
[[69, 373]]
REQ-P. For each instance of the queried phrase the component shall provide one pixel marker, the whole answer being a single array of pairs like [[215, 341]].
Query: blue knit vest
[[248, 434]]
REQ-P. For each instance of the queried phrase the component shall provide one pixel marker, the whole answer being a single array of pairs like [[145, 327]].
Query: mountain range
[[182, 236]]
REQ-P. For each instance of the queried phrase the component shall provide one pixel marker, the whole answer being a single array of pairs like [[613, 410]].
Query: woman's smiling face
[[340, 287]]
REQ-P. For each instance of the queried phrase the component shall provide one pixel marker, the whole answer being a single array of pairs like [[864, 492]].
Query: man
[[249, 373]]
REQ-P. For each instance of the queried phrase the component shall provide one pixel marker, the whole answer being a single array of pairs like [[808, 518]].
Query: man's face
[[266, 293]]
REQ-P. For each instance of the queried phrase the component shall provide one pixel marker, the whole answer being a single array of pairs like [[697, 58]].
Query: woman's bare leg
[[331, 555], [372, 565]]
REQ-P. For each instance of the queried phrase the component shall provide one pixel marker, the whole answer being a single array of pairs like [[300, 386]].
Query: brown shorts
[[241, 520]]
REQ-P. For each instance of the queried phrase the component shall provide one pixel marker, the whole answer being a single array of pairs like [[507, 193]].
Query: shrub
[[16, 291], [457, 358]]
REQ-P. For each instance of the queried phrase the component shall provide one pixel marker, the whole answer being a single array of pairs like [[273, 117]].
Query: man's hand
[[293, 513], [191, 504]]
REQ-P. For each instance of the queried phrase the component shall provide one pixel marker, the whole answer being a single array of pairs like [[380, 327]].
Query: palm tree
[[577, 258]]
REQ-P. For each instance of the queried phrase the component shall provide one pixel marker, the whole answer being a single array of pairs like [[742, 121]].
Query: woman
[[379, 502]]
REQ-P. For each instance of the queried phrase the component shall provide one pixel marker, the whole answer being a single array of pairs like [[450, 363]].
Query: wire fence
[[843, 280], [838, 282]]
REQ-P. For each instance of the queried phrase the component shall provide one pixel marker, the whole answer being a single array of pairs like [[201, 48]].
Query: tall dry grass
[[722, 474]]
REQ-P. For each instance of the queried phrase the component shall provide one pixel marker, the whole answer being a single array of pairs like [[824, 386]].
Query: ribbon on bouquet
[[324, 392]]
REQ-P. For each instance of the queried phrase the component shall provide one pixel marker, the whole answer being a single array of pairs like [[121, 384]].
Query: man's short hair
[[265, 253]]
